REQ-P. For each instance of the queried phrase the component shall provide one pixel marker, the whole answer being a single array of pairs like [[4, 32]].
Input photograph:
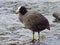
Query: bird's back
[[35, 21]]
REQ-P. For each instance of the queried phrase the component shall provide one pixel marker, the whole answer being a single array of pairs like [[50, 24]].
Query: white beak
[[17, 11]]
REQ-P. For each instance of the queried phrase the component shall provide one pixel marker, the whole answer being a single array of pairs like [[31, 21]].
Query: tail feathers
[[48, 27]]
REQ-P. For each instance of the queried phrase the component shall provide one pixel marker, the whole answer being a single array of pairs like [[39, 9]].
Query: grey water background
[[12, 31]]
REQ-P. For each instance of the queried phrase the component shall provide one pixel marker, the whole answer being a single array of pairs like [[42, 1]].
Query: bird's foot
[[34, 40]]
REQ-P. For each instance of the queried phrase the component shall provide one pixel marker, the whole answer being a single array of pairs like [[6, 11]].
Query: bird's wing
[[35, 20]]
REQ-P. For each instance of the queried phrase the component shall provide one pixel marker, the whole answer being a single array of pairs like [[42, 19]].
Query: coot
[[33, 20]]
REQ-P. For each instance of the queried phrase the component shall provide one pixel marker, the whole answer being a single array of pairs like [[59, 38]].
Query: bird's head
[[22, 10]]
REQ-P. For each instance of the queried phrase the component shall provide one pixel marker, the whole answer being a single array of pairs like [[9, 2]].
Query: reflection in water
[[36, 42], [56, 20]]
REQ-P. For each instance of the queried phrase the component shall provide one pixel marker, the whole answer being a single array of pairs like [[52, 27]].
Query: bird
[[56, 15], [33, 20]]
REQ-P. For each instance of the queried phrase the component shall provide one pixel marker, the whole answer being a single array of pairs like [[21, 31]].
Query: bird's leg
[[38, 38], [38, 35], [33, 36]]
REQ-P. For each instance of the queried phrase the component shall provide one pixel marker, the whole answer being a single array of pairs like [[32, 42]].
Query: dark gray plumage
[[33, 20]]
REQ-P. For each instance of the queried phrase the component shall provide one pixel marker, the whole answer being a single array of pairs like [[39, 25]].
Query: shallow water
[[12, 31]]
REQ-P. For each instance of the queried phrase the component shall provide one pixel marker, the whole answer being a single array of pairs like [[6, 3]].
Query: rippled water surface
[[12, 31]]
